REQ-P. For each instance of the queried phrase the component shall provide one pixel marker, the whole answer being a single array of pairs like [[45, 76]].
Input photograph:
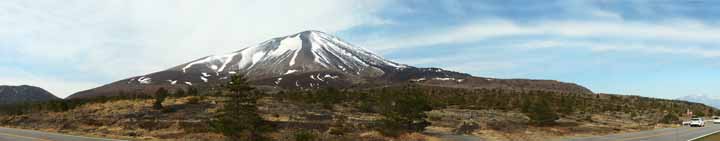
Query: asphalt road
[[9, 134], [666, 134]]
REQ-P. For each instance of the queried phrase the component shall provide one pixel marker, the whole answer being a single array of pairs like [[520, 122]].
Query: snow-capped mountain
[[302, 52], [704, 99], [309, 60]]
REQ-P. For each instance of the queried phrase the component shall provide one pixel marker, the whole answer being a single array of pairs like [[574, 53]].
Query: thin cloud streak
[[685, 31]]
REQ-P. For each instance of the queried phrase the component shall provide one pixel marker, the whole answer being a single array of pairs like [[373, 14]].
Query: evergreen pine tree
[[160, 96], [526, 103], [403, 112], [567, 106], [669, 118], [192, 91], [238, 119], [541, 114], [180, 92]]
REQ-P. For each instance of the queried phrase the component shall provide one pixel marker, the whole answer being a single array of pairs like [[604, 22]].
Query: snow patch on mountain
[[209, 59], [289, 44], [443, 79], [418, 80], [172, 82], [277, 82], [145, 80], [290, 71], [330, 76]]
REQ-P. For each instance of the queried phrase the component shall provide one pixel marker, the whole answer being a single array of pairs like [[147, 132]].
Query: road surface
[[666, 134], [9, 134]]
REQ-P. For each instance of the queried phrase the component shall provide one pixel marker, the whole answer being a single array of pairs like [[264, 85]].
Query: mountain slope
[[705, 99], [308, 60], [24, 93]]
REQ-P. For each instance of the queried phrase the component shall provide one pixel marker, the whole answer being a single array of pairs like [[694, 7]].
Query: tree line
[[542, 107]]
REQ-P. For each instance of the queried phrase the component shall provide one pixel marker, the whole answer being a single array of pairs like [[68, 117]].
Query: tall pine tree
[[403, 112], [540, 112], [238, 119], [160, 96]]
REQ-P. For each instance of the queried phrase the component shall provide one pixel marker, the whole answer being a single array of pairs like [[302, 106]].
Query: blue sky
[[664, 49]]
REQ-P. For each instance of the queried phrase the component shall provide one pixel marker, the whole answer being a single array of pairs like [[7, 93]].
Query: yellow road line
[[656, 135], [19, 136]]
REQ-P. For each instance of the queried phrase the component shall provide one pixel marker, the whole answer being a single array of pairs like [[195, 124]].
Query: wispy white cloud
[[678, 37], [678, 31], [623, 46], [630, 47]]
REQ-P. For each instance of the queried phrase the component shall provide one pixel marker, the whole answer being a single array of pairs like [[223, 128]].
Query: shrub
[[192, 91], [506, 126], [466, 128], [669, 119], [588, 118], [179, 93], [541, 114], [304, 135], [340, 126]]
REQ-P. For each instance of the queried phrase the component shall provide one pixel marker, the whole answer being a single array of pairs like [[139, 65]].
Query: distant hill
[[24, 93], [311, 60], [705, 99]]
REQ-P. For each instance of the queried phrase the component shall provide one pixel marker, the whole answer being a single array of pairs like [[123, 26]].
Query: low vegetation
[[407, 112]]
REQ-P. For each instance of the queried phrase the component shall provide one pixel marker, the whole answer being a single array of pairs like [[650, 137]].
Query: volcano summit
[[310, 60]]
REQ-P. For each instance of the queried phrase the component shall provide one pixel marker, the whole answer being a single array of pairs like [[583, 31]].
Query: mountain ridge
[[308, 60], [24, 93], [702, 98]]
